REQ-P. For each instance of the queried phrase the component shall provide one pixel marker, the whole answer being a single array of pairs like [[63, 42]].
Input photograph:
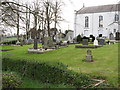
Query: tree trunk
[[26, 23], [48, 20], [18, 25], [35, 38], [35, 43]]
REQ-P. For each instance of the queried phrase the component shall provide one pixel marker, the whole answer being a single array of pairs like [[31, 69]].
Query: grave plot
[[48, 45], [6, 49], [86, 45]]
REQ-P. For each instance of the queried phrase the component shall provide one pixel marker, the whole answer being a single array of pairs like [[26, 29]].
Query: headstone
[[89, 56], [111, 36], [85, 41], [35, 44], [117, 35], [50, 42], [69, 36], [101, 41], [96, 42], [64, 43], [45, 42], [18, 43], [57, 47]]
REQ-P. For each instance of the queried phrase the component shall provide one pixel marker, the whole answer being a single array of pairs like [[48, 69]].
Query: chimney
[[83, 5]]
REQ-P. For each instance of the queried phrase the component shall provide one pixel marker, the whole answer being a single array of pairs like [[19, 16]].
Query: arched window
[[100, 21], [86, 21], [116, 17]]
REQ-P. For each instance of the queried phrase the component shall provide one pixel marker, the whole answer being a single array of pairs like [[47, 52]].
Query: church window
[[86, 21], [100, 21], [116, 17], [114, 30]]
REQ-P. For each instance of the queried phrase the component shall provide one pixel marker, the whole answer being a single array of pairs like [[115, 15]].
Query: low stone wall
[[39, 50], [87, 46]]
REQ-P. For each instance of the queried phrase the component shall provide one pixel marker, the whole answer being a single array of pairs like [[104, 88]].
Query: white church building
[[97, 20]]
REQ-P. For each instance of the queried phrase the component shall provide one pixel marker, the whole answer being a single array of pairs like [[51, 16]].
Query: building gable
[[97, 9]]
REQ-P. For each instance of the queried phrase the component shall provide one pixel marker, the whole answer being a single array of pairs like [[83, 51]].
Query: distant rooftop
[[97, 9]]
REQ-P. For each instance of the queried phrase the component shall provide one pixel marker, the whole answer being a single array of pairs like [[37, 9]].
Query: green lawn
[[105, 65], [9, 39]]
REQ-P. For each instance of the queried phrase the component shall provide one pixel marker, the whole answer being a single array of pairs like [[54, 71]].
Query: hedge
[[46, 73], [10, 80]]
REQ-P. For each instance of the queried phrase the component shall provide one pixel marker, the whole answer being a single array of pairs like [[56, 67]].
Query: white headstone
[[95, 42], [30, 35]]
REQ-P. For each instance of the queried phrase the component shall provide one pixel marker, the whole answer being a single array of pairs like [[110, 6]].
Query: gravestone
[[84, 41], [117, 36], [48, 42], [69, 36], [89, 56], [111, 36], [56, 46], [35, 46], [96, 42], [18, 43], [101, 41]]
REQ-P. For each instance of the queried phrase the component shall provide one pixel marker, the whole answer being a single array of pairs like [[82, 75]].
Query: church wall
[[94, 29]]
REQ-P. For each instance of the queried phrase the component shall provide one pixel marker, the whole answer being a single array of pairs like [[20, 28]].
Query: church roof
[[97, 9]]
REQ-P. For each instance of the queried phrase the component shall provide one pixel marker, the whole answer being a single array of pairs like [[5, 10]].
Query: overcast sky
[[71, 5]]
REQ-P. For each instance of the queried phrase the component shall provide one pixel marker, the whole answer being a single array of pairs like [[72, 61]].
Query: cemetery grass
[[9, 39], [105, 65]]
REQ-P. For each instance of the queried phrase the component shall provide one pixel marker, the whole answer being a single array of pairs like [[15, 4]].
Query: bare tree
[[27, 20], [57, 14], [11, 15], [44, 13]]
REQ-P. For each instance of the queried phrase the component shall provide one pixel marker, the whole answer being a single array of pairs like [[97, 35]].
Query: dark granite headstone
[[101, 41], [117, 36], [85, 41], [111, 36]]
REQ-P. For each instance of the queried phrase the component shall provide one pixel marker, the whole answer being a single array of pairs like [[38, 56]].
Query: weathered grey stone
[[101, 41], [89, 56], [111, 36], [85, 41], [48, 42]]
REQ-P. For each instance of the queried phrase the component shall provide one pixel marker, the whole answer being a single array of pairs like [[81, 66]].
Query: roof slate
[[97, 9]]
